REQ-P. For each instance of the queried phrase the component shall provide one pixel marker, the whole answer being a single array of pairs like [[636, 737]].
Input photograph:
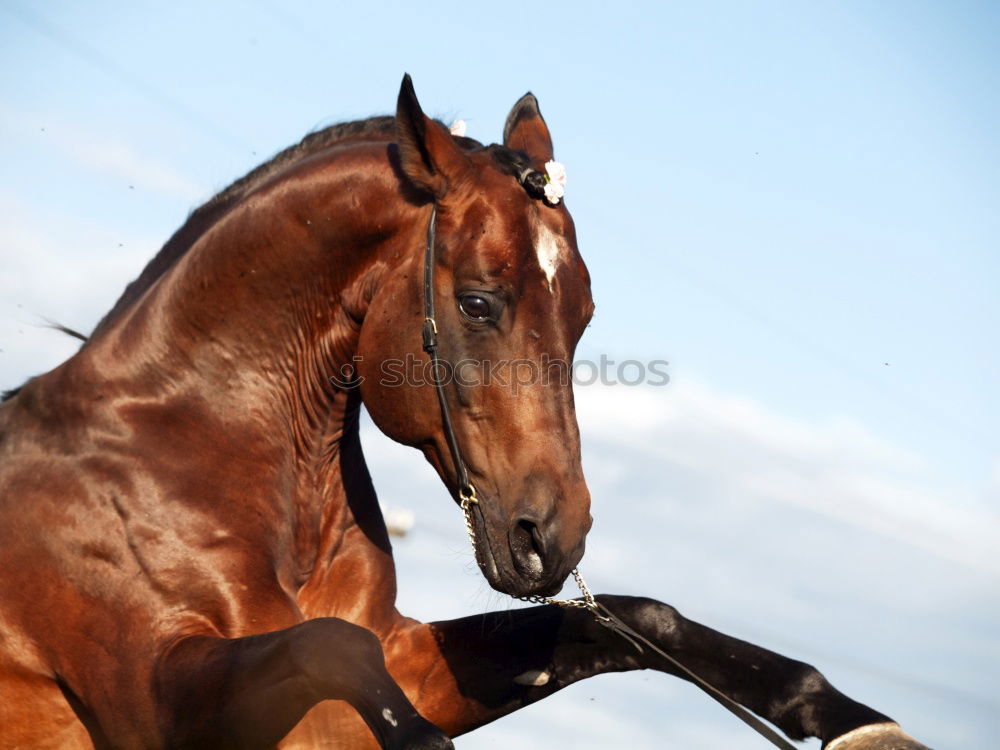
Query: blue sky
[[794, 204]]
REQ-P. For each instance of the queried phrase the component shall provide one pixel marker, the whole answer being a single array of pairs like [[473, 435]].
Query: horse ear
[[428, 154], [526, 131]]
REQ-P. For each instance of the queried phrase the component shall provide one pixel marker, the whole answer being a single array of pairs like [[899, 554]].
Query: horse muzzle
[[531, 562]]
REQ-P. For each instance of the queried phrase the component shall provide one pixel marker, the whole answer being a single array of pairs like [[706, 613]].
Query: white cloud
[[110, 156], [67, 270], [123, 160], [837, 469]]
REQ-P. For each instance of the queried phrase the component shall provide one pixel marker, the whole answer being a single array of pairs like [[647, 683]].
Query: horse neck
[[249, 325]]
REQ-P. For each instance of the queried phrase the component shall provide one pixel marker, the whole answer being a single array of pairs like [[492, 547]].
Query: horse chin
[[510, 581], [505, 582], [516, 586], [491, 571], [503, 578]]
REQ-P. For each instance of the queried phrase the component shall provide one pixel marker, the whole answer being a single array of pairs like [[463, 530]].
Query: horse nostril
[[528, 548]]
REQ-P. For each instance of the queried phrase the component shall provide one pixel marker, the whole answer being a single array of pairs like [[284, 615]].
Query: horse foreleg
[[249, 692], [477, 669]]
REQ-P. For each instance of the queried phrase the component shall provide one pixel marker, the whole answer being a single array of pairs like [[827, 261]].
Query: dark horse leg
[[249, 692], [485, 666]]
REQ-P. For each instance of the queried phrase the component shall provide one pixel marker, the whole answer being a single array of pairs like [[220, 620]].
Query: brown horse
[[191, 550]]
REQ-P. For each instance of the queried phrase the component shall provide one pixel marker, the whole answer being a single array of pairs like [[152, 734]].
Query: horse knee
[[329, 648], [806, 686], [343, 660], [647, 616]]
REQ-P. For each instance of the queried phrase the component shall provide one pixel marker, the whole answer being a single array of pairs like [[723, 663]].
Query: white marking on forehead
[[552, 249]]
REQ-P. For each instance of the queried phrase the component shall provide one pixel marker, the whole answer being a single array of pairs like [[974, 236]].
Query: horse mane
[[203, 217]]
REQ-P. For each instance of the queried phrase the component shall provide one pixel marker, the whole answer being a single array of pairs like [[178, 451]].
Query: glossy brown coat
[[191, 550]]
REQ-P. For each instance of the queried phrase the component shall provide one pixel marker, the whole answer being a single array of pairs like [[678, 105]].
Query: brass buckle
[[467, 496]]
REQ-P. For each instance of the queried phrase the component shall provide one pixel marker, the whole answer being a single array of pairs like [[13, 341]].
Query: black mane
[[507, 160], [312, 143], [206, 214]]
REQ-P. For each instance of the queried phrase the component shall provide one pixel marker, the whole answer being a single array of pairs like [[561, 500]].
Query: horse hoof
[[886, 736]]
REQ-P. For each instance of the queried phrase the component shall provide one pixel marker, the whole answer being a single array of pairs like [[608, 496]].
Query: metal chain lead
[[587, 602], [467, 502]]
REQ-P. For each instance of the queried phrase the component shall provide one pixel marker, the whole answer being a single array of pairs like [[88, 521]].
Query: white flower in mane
[[555, 182], [458, 128]]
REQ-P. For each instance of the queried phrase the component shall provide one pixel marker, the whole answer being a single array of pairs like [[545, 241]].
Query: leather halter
[[466, 490]]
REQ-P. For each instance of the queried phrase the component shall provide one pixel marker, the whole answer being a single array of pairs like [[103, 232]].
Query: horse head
[[512, 300]]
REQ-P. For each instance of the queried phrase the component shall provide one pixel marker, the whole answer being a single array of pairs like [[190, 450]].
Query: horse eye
[[475, 307]]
